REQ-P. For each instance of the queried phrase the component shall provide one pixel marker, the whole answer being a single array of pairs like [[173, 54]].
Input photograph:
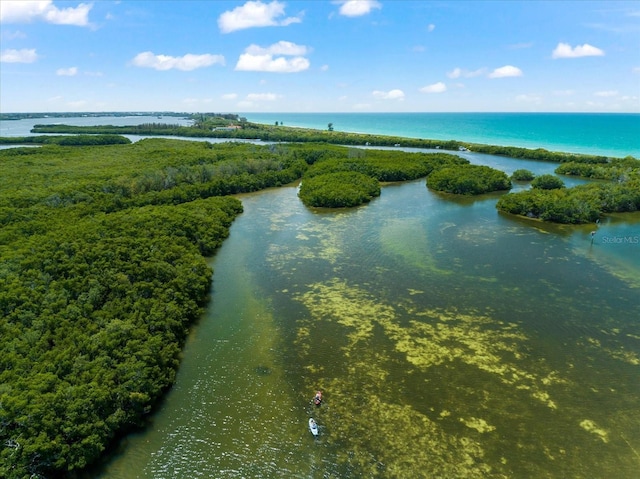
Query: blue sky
[[320, 56]]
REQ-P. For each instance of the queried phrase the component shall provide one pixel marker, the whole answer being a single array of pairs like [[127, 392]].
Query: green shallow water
[[449, 341]]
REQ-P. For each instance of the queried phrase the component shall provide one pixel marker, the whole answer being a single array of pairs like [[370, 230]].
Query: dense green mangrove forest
[[549, 200], [104, 268], [103, 247], [581, 205], [65, 140], [468, 180]]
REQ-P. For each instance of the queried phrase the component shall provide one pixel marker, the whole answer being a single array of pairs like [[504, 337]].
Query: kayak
[[313, 426]]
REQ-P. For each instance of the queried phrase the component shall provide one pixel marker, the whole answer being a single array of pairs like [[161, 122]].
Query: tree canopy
[[337, 190], [522, 175], [468, 180], [102, 271], [206, 126], [580, 204], [547, 182]]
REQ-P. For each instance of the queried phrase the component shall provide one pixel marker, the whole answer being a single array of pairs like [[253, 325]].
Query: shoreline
[[592, 134], [476, 128]]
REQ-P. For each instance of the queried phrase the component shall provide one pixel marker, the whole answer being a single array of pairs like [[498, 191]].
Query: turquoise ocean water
[[607, 134]]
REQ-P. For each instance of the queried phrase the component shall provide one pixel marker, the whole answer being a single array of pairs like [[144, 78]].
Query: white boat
[[313, 426]]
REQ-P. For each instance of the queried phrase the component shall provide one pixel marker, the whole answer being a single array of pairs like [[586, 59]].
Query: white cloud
[[434, 88], [389, 95], [502, 72], [262, 97], [324, 68], [431, 27], [229, 96], [506, 71], [68, 72], [255, 14], [459, 72], [19, 56], [266, 63], [606, 93], [564, 50], [262, 59], [280, 48], [357, 8], [28, 11], [187, 62], [636, 70], [455, 73]]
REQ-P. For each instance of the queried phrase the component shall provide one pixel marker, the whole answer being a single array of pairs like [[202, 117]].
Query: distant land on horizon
[[62, 114], [77, 114]]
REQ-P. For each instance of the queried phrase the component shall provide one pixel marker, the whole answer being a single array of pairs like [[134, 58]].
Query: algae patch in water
[[614, 350], [409, 240], [590, 426], [478, 424], [386, 432]]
